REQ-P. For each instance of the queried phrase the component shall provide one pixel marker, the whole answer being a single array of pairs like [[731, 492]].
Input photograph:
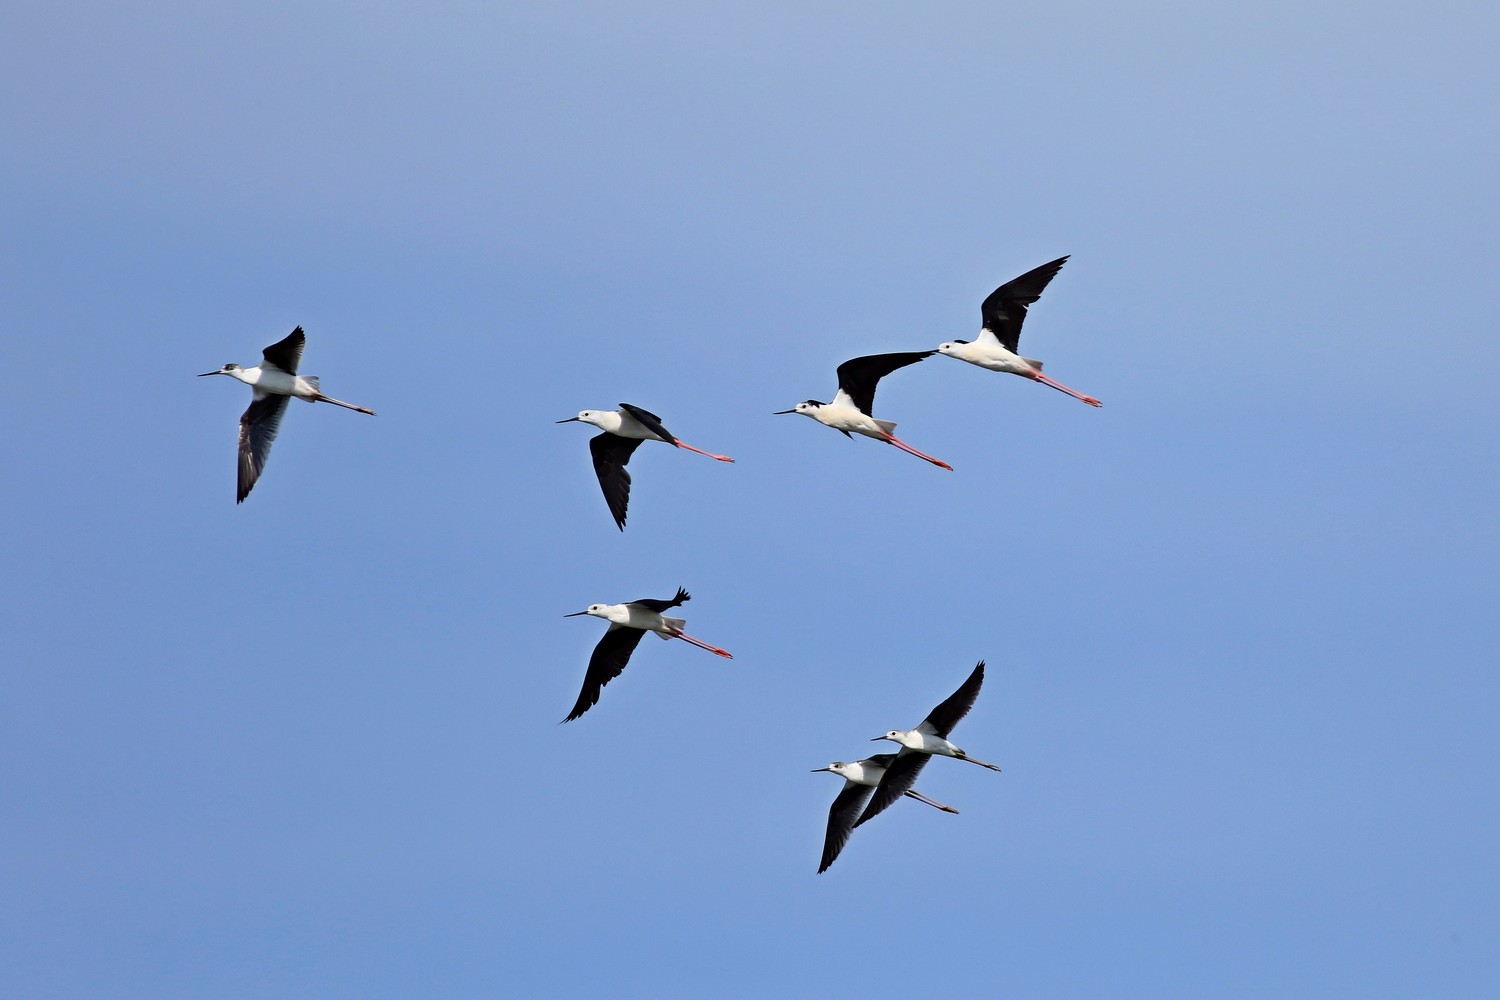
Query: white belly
[[629, 427], [994, 357], [937, 745], [644, 618], [846, 418], [279, 383], [622, 424]]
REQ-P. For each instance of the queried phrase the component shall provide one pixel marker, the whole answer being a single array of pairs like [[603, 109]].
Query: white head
[[952, 347], [808, 408], [837, 767], [229, 369], [597, 610], [897, 736], [595, 417]]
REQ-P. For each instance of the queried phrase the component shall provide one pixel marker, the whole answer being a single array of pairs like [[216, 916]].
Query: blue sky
[[1239, 621]]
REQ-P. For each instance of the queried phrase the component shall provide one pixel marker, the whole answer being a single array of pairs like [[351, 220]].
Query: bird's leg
[[1047, 380], [703, 645], [971, 760], [893, 439], [320, 398], [932, 802], [683, 444]]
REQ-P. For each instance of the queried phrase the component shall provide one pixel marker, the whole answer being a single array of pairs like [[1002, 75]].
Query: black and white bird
[[275, 380], [624, 430], [1000, 334], [860, 778], [627, 624], [919, 744], [849, 412]]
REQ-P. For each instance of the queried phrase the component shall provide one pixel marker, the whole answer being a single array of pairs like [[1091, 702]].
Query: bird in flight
[[860, 778], [624, 430], [275, 380], [920, 744], [627, 624], [999, 341], [849, 413]]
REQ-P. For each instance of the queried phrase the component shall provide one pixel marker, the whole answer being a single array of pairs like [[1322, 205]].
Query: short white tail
[[1033, 362], [672, 624], [886, 425]]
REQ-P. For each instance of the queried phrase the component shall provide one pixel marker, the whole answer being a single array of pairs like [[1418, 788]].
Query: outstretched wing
[[258, 427], [658, 605], [650, 421], [858, 376], [286, 353], [609, 659], [899, 777], [841, 820], [941, 720], [611, 452], [1005, 309]]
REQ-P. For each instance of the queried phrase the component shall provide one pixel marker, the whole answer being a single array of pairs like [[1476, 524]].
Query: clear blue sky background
[[1240, 622]]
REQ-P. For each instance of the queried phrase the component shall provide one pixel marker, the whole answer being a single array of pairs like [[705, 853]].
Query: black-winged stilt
[[850, 410], [1000, 335], [627, 624], [624, 430], [275, 380], [919, 744], [860, 778]]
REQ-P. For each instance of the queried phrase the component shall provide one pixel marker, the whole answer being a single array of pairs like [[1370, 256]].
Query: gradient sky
[[1240, 622]]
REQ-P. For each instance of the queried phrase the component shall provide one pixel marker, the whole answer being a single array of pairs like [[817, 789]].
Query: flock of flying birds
[[870, 785]]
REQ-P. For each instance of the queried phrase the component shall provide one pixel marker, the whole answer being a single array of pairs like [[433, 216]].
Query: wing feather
[[899, 777], [658, 605], [841, 820], [609, 659], [941, 720], [286, 353], [650, 421], [1004, 310], [611, 452], [258, 427], [858, 376]]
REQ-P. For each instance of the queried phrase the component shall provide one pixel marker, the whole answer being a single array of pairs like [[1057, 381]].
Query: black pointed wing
[[286, 353], [658, 605], [1005, 309], [841, 820], [857, 376], [899, 777], [258, 427], [609, 659], [650, 421], [941, 720], [611, 452]]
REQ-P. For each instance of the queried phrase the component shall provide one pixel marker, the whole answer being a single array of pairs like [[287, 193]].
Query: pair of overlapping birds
[[870, 785]]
